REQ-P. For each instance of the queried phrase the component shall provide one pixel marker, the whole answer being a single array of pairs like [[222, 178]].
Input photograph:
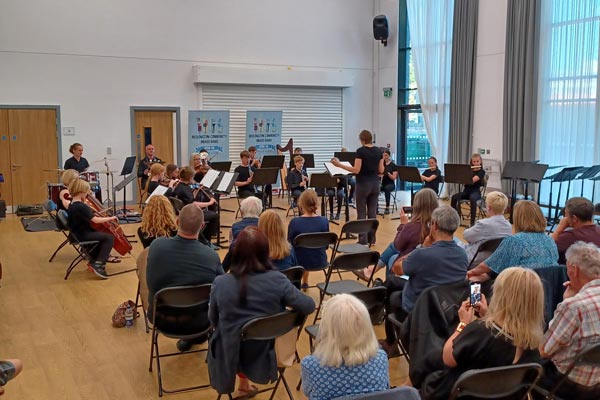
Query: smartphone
[[407, 209], [475, 293]]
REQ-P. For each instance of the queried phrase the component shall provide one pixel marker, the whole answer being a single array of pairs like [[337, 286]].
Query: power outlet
[[109, 150]]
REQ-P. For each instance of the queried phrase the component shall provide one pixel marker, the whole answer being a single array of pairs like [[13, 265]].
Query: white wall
[[97, 58], [489, 84]]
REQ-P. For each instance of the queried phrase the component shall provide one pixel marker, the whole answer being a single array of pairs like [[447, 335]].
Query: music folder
[[337, 171]]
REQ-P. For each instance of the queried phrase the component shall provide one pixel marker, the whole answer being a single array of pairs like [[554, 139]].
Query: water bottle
[[128, 317]]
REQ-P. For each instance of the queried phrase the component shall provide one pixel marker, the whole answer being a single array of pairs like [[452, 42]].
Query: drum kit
[[92, 177]]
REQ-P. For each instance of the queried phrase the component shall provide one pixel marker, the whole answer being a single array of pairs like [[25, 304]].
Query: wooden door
[[33, 148], [160, 124], [5, 168]]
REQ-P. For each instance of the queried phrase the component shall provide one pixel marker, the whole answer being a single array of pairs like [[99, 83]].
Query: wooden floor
[[62, 329]]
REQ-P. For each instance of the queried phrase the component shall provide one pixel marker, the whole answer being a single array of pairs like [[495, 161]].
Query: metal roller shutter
[[312, 116]]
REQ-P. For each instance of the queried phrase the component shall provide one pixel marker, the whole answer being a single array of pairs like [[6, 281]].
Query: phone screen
[[407, 210], [475, 293]]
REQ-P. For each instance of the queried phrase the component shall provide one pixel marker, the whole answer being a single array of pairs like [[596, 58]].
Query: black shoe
[[386, 211], [183, 345], [331, 218], [99, 269], [337, 216]]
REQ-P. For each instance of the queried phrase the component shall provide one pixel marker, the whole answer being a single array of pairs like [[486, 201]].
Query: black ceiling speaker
[[380, 29]]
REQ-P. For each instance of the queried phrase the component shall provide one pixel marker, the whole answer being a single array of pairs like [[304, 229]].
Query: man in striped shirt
[[576, 324]]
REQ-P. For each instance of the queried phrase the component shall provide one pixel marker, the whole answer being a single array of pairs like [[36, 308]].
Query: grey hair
[[446, 218], [586, 256], [251, 207]]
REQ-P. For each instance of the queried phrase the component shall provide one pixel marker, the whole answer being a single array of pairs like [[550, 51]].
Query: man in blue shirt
[[440, 261]]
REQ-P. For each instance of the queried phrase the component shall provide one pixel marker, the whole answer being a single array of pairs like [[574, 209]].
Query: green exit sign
[[387, 92]]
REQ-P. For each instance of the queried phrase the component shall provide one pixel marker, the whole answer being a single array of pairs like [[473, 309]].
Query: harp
[[281, 150]]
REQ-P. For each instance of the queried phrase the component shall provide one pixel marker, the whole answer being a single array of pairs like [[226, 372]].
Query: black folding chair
[[589, 355], [398, 393], [316, 240], [50, 208], [512, 381], [345, 263], [176, 203], [358, 227], [179, 312], [487, 247], [83, 248], [270, 328], [397, 324], [294, 274]]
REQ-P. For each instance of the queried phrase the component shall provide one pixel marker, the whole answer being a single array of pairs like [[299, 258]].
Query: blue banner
[[209, 130], [263, 130]]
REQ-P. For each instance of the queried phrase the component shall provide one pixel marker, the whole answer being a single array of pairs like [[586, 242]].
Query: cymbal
[[102, 159], [53, 170], [107, 172]]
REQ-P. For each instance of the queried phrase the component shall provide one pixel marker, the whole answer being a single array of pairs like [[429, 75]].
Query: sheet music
[[209, 178], [333, 170], [223, 185], [160, 190]]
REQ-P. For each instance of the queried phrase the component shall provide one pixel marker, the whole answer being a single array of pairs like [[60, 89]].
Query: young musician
[[368, 164], [472, 191], [190, 193], [80, 218], [145, 164], [157, 178], [68, 177], [243, 182], [297, 178], [431, 176], [199, 163], [254, 161], [172, 171], [77, 162], [388, 179]]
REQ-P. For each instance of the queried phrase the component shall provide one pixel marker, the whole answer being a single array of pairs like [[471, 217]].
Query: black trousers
[[213, 224], [367, 194], [101, 252], [472, 196]]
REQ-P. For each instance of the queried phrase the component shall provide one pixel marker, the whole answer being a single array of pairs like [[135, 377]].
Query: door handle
[[16, 166]]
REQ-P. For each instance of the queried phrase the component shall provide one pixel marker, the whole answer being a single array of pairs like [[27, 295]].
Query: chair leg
[[154, 338], [73, 264], [299, 385], [276, 386], [63, 244], [287, 387]]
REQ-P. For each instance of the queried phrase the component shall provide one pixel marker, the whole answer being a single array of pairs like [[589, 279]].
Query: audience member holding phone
[[509, 330]]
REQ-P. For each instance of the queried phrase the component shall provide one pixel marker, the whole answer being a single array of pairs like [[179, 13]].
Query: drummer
[[77, 162]]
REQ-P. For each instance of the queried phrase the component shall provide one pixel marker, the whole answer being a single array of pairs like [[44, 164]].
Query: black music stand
[[271, 161], [524, 171], [349, 156], [323, 180], [565, 175], [127, 169], [411, 175], [263, 177], [224, 166], [588, 173], [221, 185], [344, 177], [309, 160], [594, 180], [458, 173]]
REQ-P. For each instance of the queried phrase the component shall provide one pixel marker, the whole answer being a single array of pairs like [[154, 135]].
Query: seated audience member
[[493, 227], [347, 359], [158, 220], [67, 177], [388, 179], [253, 289], [576, 324], [181, 260], [509, 331], [280, 251], [579, 217], [9, 368], [530, 247], [308, 222], [157, 175], [432, 176], [440, 263], [250, 208], [244, 184], [297, 179], [188, 192]]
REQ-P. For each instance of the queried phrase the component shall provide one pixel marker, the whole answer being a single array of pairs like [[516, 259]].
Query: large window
[[569, 113]]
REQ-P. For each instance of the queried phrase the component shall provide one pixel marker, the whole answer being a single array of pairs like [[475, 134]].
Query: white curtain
[[568, 108], [430, 25]]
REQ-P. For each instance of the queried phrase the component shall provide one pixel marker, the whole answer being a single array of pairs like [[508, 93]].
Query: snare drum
[[92, 177], [54, 191]]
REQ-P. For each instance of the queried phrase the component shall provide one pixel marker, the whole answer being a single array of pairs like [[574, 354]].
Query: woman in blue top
[[281, 253], [309, 222], [347, 359], [530, 247], [368, 165]]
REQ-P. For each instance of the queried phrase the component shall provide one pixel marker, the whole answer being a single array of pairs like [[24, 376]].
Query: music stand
[[272, 162], [409, 174], [122, 185], [322, 180], [524, 171], [128, 165], [588, 173], [221, 165], [309, 160], [220, 185], [349, 156], [263, 177]]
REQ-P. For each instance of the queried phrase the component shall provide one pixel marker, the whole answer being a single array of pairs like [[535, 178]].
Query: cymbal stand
[[110, 183]]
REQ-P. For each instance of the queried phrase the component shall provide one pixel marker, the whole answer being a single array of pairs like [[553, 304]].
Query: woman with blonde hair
[[158, 220], [308, 222], [280, 251], [67, 177], [509, 331], [529, 247], [347, 359]]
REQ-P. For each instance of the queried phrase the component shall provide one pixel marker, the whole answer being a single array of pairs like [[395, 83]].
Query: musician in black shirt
[[432, 176], [244, 184], [77, 162], [472, 192], [388, 179], [145, 163]]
